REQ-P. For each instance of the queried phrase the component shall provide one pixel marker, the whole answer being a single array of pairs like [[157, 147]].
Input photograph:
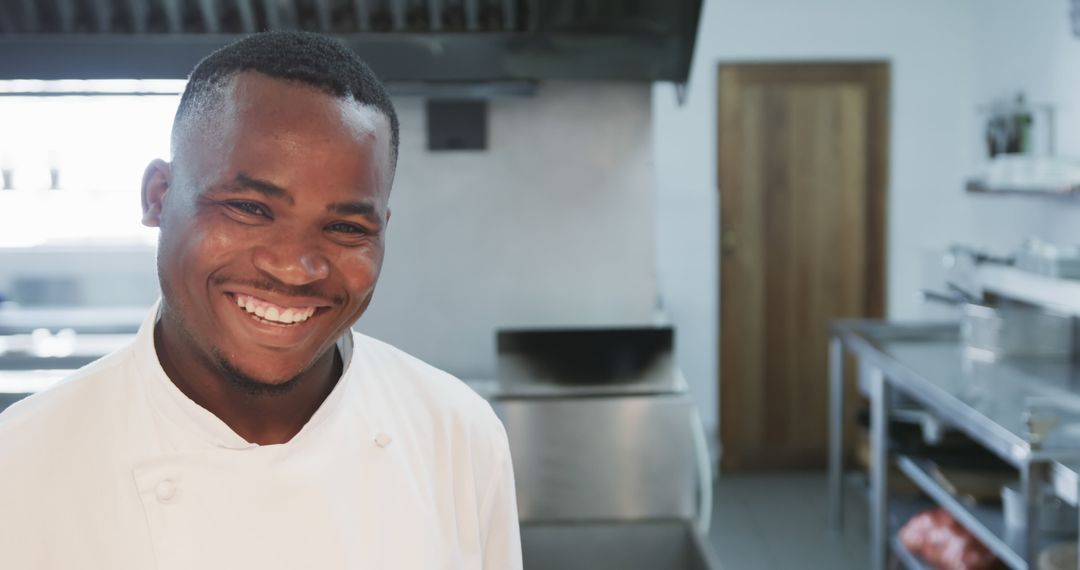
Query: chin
[[254, 384]]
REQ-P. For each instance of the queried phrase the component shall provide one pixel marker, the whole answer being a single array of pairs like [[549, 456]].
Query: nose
[[292, 260]]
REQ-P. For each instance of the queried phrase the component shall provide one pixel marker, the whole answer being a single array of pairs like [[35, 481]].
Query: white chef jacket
[[402, 467]]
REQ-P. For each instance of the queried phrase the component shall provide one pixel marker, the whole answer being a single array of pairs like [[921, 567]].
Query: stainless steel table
[[1025, 411]]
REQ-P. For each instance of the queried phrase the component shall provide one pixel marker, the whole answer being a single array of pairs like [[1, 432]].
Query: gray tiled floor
[[779, 522]]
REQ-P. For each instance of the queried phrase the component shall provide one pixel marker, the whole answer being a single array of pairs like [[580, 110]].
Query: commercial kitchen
[[751, 284]]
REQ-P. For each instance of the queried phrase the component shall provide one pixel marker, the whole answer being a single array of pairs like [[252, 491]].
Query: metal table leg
[[879, 467], [1032, 475], [836, 433]]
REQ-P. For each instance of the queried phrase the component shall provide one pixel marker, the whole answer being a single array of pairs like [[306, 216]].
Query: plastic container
[[994, 332]]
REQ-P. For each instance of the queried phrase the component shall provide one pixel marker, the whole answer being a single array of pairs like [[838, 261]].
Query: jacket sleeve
[[499, 517]]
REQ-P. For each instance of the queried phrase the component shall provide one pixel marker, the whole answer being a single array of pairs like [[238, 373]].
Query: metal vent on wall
[[247, 16], [402, 40]]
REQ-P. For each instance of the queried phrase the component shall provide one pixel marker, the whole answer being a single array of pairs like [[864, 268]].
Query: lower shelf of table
[[987, 523], [907, 559], [900, 511]]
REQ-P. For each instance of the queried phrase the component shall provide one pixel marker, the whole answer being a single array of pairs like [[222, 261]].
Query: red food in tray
[[945, 544]]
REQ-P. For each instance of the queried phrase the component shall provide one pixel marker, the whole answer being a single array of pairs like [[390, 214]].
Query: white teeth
[[284, 316]]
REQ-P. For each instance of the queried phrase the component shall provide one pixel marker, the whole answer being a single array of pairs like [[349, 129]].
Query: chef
[[247, 426]]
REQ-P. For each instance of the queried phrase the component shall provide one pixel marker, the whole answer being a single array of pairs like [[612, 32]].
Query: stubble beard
[[233, 375], [248, 384]]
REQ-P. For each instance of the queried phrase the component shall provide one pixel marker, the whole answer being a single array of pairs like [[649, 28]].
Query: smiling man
[[247, 426]]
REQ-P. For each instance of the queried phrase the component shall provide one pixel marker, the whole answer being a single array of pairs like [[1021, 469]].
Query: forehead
[[254, 101], [263, 119]]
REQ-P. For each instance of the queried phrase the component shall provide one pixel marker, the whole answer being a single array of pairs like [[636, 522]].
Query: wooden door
[[802, 177]]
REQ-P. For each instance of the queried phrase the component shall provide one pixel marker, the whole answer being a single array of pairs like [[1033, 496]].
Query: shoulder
[[407, 372], [59, 448], [427, 390], [70, 408]]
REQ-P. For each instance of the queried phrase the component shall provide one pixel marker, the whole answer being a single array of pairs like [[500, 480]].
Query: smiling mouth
[[267, 312]]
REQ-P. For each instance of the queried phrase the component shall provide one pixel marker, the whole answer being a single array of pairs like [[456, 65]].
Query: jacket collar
[[194, 426]]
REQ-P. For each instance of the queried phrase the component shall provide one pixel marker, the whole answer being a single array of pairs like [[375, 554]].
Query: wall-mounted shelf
[[976, 186]]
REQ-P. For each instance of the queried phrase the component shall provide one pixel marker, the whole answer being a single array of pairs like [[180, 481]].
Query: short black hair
[[304, 57]]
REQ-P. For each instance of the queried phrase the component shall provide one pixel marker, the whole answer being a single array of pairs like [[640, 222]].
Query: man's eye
[[249, 208], [344, 228]]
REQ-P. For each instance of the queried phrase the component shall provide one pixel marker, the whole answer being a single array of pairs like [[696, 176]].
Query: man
[[247, 426]]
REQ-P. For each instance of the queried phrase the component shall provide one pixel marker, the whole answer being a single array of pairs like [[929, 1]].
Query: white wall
[[929, 44], [554, 225], [1029, 47]]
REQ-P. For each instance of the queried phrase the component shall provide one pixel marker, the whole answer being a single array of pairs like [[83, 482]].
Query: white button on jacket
[[165, 490], [402, 467]]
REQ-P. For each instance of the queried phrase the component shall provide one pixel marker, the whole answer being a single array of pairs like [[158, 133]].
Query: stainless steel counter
[[652, 545], [1027, 411], [990, 399]]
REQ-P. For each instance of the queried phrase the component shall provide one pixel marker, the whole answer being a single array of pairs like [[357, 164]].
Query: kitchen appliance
[[610, 456]]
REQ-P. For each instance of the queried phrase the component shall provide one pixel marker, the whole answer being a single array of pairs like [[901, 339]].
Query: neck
[[262, 418]]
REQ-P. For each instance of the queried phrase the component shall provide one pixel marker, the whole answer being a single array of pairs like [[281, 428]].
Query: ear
[[155, 183]]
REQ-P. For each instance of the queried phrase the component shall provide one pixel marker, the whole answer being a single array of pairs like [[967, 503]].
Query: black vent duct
[[403, 40]]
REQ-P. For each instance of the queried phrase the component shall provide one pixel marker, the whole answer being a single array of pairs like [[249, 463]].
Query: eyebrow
[[352, 209], [244, 182]]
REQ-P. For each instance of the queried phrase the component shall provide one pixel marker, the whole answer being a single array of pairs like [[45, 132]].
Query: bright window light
[[72, 154]]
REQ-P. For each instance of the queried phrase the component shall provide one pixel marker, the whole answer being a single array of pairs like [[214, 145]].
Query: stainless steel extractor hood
[[403, 40]]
